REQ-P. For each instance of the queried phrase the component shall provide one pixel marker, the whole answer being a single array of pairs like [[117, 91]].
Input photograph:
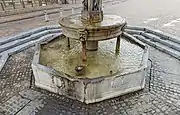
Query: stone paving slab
[[16, 75], [14, 105], [32, 107], [30, 94]]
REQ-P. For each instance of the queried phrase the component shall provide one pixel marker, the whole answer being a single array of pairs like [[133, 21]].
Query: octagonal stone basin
[[107, 74]]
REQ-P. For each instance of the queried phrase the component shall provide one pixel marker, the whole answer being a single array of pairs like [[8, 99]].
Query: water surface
[[57, 55]]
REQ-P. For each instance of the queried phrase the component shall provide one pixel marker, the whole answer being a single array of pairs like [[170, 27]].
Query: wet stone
[[17, 103], [13, 71], [30, 94], [33, 106]]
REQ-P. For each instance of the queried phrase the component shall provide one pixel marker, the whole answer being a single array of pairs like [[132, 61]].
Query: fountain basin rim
[[90, 90], [52, 71], [71, 78], [110, 27], [117, 22]]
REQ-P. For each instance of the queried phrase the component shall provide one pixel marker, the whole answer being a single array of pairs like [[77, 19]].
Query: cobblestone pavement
[[160, 96], [16, 72]]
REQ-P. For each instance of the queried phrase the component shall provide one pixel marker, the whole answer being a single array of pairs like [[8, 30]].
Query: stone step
[[129, 31], [159, 46], [158, 33], [4, 55], [17, 42], [27, 34], [153, 36], [21, 35], [166, 42], [163, 35], [30, 44]]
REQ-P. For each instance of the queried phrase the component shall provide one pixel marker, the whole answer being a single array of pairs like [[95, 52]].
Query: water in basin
[[102, 62]]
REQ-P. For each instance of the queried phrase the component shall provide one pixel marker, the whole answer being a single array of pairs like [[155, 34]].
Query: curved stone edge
[[91, 28], [120, 84], [164, 42], [90, 90], [10, 51], [142, 45], [3, 59], [27, 33], [166, 50], [94, 33], [28, 39], [163, 35]]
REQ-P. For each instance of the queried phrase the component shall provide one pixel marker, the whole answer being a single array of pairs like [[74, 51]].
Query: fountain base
[[91, 87], [92, 45]]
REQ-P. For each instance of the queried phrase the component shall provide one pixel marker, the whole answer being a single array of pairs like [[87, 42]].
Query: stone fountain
[[86, 62]]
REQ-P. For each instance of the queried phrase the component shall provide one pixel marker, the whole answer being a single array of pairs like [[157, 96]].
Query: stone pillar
[[92, 11], [2, 6], [92, 45], [22, 2], [13, 3], [118, 44], [61, 12], [46, 2], [68, 42]]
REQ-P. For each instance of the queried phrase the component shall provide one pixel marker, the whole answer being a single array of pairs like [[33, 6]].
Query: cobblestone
[[156, 101], [16, 75]]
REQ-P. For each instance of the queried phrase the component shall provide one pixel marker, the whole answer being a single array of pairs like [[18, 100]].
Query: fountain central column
[[92, 11], [92, 14], [92, 26]]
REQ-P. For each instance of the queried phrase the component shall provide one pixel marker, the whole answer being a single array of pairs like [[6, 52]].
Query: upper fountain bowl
[[110, 27]]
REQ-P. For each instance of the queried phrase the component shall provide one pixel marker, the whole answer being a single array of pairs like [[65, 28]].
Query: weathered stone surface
[[92, 11], [161, 90], [14, 105], [90, 90], [160, 96], [15, 75], [164, 65], [109, 28], [36, 102], [165, 42]]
